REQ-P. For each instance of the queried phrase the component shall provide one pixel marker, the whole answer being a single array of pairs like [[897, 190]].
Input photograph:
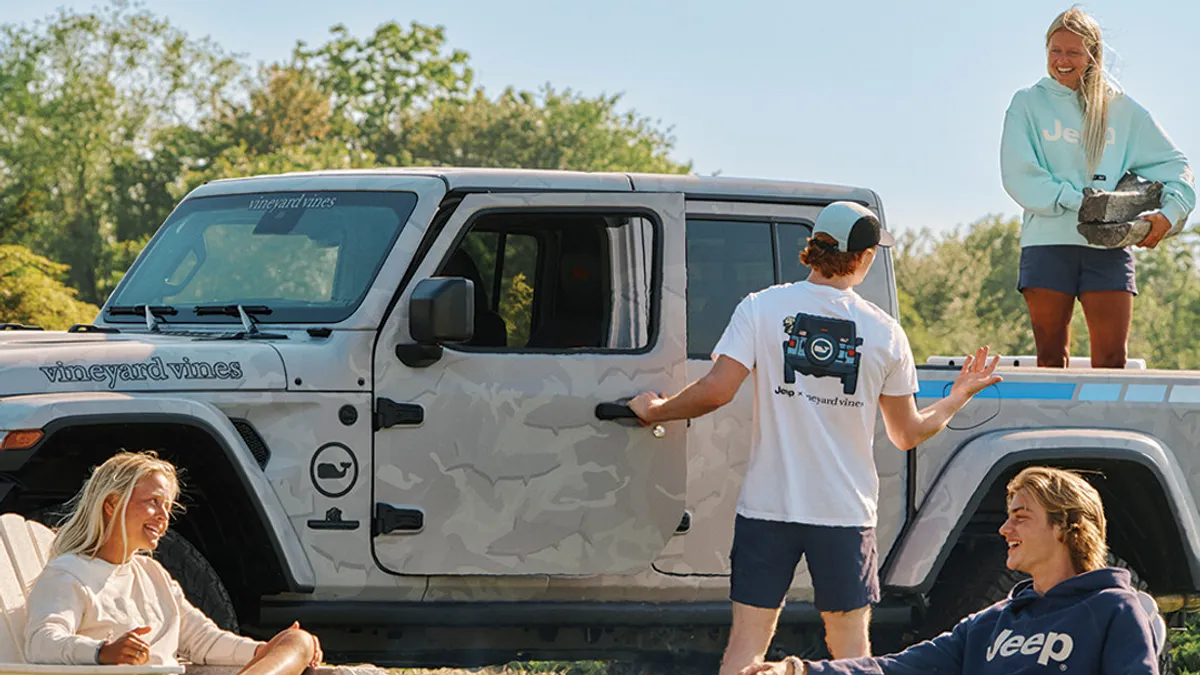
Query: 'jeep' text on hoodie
[[1090, 623], [1043, 164]]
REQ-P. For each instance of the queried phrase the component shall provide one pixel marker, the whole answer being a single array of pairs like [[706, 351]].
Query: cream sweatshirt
[[78, 603]]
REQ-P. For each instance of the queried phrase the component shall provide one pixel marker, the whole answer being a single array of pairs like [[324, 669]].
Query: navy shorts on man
[[842, 561], [1076, 269]]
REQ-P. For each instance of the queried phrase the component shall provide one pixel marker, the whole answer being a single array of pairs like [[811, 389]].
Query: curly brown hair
[[827, 259], [1072, 504]]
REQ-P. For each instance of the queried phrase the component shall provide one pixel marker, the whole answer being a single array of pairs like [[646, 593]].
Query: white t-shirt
[[77, 603], [821, 358]]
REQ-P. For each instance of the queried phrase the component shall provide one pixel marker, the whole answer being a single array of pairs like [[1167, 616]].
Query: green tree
[[546, 130], [32, 292], [84, 102], [374, 82]]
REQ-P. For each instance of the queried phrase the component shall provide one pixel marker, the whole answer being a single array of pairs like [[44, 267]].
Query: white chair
[[1158, 625], [25, 548]]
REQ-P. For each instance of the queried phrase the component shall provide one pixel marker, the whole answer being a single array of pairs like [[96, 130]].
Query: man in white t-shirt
[[824, 359]]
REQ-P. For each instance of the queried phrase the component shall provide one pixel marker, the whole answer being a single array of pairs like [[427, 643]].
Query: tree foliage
[[32, 292]]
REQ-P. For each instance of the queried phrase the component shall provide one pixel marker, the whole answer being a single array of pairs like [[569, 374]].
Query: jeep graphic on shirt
[[820, 346]]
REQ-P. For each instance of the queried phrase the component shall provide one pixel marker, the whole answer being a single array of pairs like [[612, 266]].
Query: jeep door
[[491, 457]]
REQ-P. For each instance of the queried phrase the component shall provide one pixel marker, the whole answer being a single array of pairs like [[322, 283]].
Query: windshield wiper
[[151, 312], [244, 312]]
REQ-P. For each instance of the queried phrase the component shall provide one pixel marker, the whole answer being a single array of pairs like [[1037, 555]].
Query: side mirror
[[442, 309]]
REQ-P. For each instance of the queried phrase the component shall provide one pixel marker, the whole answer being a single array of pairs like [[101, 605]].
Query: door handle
[[614, 411]]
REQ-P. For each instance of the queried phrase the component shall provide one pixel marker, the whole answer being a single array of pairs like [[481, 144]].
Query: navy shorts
[[1077, 269], [842, 561]]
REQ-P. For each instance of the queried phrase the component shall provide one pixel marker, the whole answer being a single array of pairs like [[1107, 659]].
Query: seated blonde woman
[[103, 599]]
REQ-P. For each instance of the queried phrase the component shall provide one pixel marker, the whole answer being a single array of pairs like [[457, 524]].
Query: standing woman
[[1073, 130]]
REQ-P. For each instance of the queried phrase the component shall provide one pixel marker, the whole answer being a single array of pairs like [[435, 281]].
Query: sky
[[906, 98]]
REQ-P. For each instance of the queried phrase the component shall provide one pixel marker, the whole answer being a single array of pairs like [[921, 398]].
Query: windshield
[[308, 257]]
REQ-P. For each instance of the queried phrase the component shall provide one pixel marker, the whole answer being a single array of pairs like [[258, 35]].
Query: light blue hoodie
[[1043, 166]]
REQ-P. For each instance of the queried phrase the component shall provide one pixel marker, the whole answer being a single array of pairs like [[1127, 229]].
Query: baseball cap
[[853, 226]]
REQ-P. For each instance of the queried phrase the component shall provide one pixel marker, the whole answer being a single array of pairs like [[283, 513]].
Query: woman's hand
[[1159, 227], [127, 650]]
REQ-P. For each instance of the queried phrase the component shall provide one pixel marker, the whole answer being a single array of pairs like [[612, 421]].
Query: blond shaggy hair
[[1074, 506], [85, 531]]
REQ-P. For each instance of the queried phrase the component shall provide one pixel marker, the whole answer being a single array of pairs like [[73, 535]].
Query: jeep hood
[[51, 361]]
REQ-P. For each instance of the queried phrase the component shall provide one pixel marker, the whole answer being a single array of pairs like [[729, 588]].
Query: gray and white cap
[[853, 226]]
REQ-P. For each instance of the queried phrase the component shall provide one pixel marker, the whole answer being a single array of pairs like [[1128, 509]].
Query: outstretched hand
[[976, 374]]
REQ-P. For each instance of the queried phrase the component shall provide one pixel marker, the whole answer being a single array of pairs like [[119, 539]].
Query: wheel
[[200, 583], [974, 577]]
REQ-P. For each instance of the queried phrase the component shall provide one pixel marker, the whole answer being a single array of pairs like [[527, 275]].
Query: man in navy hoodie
[[1074, 616]]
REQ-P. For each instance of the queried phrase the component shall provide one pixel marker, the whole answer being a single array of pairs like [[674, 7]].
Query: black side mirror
[[442, 309]]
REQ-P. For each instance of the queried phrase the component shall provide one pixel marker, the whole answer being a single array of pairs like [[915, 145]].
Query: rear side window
[[728, 260]]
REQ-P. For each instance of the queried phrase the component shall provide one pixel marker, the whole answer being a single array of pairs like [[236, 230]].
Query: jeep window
[[726, 260], [790, 240], [309, 257], [551, 281]]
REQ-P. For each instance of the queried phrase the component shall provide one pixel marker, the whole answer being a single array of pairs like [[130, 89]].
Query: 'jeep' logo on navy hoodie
[[1090, 623], [1056, 646]]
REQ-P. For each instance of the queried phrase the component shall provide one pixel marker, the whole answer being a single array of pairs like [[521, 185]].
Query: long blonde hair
[[1095, 90], [85, 531], [1074, 506]]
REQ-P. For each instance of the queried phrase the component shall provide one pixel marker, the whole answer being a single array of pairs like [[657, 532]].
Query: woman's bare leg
[[1050, 313], [1108, 314], [288, 653]]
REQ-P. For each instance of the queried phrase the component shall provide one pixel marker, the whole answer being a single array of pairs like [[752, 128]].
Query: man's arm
[[908, 427], [943, 655], [701, 397]]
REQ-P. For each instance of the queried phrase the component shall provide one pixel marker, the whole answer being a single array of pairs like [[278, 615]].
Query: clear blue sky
[[903, 97]]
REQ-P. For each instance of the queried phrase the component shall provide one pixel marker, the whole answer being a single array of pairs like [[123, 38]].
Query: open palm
[[976, 374]]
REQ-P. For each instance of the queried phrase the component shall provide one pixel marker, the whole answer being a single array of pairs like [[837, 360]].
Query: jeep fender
[[928, 539], [52, 412]]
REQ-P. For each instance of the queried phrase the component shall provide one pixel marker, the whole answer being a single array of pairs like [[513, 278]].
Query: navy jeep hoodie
[[1090, 623]]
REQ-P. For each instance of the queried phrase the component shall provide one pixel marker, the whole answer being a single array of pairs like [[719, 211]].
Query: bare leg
[[749, 638], [1108, 314], [846, 633], [1050, 313], [288, 653]]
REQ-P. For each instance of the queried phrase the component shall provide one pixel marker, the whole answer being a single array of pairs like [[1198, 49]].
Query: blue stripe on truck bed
[[1042, 391]]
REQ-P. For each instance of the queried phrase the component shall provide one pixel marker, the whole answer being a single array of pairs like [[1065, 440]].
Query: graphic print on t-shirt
[[821, 346]]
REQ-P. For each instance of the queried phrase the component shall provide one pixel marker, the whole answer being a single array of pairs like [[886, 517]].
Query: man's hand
[[128, 650], [792, 666], [1159, 227], [976, 375], [644, 405]]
